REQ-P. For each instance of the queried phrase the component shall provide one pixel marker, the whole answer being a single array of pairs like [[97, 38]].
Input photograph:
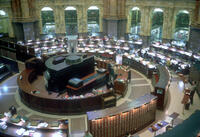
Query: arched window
[[93, 20], [48, 23], [135, 20], [4, 22], [157, 25], [71, 21], [182, 26]]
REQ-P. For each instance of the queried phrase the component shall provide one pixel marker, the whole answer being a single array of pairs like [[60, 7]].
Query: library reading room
[[100, 68]]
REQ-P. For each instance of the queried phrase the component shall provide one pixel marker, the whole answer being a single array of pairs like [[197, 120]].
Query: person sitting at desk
[[13, 110]]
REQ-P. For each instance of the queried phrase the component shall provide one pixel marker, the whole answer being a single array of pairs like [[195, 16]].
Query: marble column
[[84, 25], [59, 17], [191, 16], [168, 20], [10, 26], [145, 25], [101, 20], [82, 21], [79, 16], [174, 21], [128, 15], [38, 16]]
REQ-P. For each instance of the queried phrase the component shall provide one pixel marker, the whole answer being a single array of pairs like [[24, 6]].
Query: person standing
[[193, 89]]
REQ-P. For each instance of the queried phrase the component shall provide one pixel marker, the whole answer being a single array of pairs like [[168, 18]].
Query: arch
[[71, 24], [46, 9], [48, 22], [157, 24], [4, 22], [3, 13], [70, 8], [184, 11], [181, 31], [93, 14], [157, 10], [93, 8], [135, 21], [135, 8]]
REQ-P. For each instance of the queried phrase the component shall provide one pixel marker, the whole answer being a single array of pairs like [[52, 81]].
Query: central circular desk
[[110, 122]]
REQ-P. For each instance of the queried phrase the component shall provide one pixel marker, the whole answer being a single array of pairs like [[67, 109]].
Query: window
[[93, 20], [48, 23], [71, 21], [157, 25], [4, 22], [135, 20], [182, 26]]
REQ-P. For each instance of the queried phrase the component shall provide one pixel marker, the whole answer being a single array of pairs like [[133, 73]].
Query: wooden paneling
[[118, 121], [43, 100]]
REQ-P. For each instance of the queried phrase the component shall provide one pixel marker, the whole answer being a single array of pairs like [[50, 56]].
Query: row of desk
[[105, 54], [22, 126], [139, 64], [175, 51], [109, 41], [40, 48], [172, 62], [54, 46]]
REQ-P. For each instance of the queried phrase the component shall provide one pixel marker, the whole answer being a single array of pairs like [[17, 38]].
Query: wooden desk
[[128, 118], [137, 65], [43, 100], [120, 84], [161, 87]]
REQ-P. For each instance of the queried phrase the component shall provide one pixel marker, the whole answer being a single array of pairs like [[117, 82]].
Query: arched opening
[[3, 23], [182, 27], [71, 21], [48, 22], [135, 20], [93, 20], [157, 25]]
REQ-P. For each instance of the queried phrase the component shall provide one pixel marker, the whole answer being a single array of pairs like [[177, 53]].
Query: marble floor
[[138, 86]]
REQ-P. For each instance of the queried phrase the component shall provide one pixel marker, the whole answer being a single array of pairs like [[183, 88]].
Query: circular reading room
[[99, 68]]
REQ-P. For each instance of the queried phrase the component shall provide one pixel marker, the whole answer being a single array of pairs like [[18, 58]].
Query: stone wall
[[108, 8], [170, 8]]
